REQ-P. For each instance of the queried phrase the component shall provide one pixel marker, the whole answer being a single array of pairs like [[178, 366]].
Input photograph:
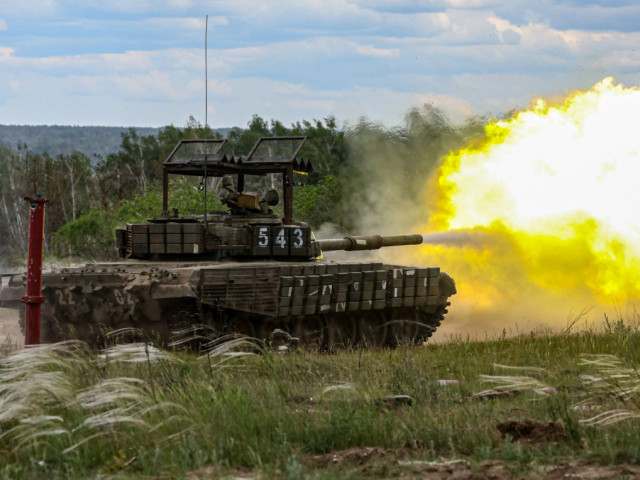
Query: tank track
[[339, 331], [328, 332]]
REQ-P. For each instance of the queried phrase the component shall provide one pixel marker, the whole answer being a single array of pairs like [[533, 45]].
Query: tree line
[[90, 197]]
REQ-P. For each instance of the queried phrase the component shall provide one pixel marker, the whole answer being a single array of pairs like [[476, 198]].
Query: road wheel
[[242, 325], [373, 329], [310, 330], [404, 327], [341, 332]]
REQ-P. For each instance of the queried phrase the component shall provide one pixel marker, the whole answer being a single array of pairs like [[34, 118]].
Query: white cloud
[[371, 51], [3, 25], [186, 23], [28, 8], [418, 24], [395, 5], [467, 4], [148, 86], [101, 64], [124, 6], [6, 53], [506, 32]]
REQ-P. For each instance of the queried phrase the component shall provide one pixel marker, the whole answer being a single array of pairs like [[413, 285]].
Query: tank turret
[[250, 228], [245, 270]]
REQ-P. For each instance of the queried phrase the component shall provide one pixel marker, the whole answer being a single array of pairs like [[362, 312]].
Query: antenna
[[206, 86], [206, 123]]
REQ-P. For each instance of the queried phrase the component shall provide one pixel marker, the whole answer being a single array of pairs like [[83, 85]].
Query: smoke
[[461, 238], [389, 169]]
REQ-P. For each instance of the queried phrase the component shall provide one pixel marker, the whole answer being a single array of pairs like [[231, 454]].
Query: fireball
[[542, 213]]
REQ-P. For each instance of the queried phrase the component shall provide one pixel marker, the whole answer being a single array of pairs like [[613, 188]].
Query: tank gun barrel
[[369, 242]]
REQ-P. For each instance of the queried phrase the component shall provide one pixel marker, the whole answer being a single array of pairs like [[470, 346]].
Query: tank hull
[[318, 303]]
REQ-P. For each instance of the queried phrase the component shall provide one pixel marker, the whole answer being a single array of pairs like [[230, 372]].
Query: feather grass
[[40, 397], [612, 380], [136, 353], [509, 384]]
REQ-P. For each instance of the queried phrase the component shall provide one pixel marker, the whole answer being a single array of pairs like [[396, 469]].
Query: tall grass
[[135, 410]]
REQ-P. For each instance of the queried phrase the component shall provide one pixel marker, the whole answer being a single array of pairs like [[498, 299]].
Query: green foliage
[[316, 204], [240, 140], [325, 148], [140, 208], [186, 196], [13, 210], [91, 236]]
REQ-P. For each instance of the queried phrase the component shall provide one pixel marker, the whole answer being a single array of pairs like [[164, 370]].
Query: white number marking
[[299, 240], [65, 297], [263, 236], [123, 297], [119, 296], [281, 239]]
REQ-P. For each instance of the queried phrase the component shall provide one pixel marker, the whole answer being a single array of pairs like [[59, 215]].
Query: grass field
[[521, 407]]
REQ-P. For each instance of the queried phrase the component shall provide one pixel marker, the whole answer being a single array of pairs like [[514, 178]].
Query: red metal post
[[33, 298]]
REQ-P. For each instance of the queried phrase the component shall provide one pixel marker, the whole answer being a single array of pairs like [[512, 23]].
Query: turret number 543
[[281, 237]]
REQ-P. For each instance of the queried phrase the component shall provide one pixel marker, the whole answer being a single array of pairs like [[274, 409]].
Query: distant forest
[[94, 142]]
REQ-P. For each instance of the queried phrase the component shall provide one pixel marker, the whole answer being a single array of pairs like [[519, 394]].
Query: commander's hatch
[[269, 155]]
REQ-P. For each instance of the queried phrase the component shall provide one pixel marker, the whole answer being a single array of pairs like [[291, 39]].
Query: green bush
[[316, 204], [91, 236]]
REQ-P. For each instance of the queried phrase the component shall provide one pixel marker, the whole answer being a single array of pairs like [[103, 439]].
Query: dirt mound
[[528, 431]]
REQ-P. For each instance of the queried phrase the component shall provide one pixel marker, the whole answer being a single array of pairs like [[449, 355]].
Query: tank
[[245, 270]]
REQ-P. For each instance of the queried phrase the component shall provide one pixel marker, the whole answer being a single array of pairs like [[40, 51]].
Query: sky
[[141, 62]]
